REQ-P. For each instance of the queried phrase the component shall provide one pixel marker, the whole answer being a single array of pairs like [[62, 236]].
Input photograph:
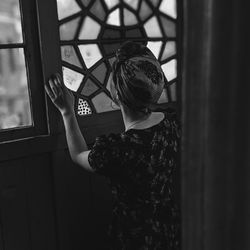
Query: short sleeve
[[105, 154]]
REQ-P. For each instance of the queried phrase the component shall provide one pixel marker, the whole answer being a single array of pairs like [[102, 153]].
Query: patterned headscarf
[[137, 77]]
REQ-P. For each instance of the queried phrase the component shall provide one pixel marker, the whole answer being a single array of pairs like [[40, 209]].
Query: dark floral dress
[[141, 166]]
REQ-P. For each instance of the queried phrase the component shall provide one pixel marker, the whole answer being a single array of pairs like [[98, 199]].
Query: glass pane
[[155, 2], [68, 30], [72, 79], [152, 27], [85, 2], [89, 88], [100, 72], [15, 108], [10, 22], [90, 54], [111, 3], [67, 8], [98, 10], [90, 29], [168, 27], [133, 33], [114, 18], [172, 88], [163, 97], [102, 103], [129, 17], [169, 50], [169, 7], [111, 33], [155, 47], [170, 69], [145, 11], [83, 107], [132, 3], [69, 55]]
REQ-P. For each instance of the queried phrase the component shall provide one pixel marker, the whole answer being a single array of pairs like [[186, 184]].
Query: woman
[[141, 162]]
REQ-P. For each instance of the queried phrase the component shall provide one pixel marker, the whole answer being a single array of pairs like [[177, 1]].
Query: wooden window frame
[[33, 70]]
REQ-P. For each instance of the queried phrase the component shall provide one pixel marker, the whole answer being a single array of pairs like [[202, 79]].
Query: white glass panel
[[90, 29], [72, 79], [164, 97], [90, 54], [69, 55], [102, 103], [152, 28], [10, 22], [170, 69], [68, 30], [145, 11], [169, 7], [114, 18], [169, 50], [132, 3], [66, 8], [129, 17], [83, 107], [15, 108], [155, 47], [111, 3]]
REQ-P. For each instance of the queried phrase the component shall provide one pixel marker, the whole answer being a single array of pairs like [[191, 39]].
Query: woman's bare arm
[[63, 99]]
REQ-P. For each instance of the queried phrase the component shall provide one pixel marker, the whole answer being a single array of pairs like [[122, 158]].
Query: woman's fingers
[[58, 85], [53, 87], [49, 92]]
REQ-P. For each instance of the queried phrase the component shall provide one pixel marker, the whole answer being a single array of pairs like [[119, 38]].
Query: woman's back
[[141, 165]]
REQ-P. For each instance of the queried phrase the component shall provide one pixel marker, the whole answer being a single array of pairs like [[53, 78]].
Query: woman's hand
[[62, 98]]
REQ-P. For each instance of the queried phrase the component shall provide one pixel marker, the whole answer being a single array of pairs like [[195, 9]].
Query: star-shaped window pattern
[[91, 31]]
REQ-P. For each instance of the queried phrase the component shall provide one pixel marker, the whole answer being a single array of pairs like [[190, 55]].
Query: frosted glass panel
[[100, 72], [163, 97], [129, 18], [155, 47], [69, 55], [68, 30], [90, 54], [90, 29], [169, 50], [169, 27], [10, 22], [98, 10], [102, 103], [111, 3], [83, 107], [155, 2], [132, 3], [152, 28], [170, 69], [89, 88], [145, 11], [15, 108], [67, 8], [169, 7], [85, 2], [114, 18], [72, 79]]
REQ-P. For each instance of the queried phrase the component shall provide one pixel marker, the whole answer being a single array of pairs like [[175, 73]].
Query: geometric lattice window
[[91, 31]]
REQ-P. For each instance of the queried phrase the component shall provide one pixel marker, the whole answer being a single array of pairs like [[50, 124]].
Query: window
[[90, 32], [20, 113]]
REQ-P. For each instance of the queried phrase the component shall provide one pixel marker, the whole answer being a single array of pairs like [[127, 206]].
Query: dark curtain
[[216, 127]]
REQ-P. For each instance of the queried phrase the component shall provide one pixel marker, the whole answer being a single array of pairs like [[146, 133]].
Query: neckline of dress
[[151, 127]]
